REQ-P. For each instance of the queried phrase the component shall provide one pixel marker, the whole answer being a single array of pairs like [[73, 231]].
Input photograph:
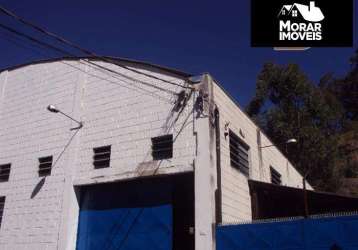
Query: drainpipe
[[305, 197], [259, 146], [218, 192]]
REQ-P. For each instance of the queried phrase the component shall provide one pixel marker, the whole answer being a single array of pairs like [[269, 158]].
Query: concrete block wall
[[116, 113], [236, 200], [271, 156], [118, 110], [127, 119], [28, 131]]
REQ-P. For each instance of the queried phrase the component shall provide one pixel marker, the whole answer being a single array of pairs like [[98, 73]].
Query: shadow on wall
[[38, 187]]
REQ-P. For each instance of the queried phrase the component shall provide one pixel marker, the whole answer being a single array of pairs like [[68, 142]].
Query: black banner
[[301, 23]]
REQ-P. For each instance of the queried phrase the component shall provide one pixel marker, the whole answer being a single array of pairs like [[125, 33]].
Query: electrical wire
[[85, 51], [16, 42], [59, 50]]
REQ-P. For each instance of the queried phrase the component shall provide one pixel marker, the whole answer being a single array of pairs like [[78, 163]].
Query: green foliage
[[288, 105], [345, 89]]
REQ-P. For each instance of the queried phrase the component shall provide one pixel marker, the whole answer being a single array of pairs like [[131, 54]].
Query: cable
[[48, 46], [9, 29], [88, 53], [73, 45]]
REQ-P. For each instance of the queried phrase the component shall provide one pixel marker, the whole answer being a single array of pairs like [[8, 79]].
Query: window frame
[[43, 161], [5, 170], [162, 147], [102, 157], [275, 175], [241, 147], [2, 208]]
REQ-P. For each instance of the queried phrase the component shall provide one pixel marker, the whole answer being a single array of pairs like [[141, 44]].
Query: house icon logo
[[299, 22], [309, 13], [302, 23]]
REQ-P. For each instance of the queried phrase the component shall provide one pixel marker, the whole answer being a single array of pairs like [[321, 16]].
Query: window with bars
[[162, 147], [2, 205], [275, 176], [102, 157], [45, 166], [294, 13], [239, 154], [5, 172]]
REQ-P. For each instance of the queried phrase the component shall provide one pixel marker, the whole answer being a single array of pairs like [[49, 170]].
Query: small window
[[294, 13], [45, 166], [162, 147], [2, 205], [5, 172], [102, 157], [239, 153], [275, 176]]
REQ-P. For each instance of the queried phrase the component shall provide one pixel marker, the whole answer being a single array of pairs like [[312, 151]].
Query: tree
[[345, 89], [288, 105]]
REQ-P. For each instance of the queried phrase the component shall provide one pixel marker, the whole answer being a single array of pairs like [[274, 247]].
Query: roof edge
[[116, 59]]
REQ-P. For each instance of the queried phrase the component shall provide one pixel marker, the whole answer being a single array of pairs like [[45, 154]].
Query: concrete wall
[[28, 132], [236, 201], [125, 112], [42, 214]]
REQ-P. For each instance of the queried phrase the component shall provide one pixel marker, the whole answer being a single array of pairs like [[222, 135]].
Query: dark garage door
[[133, 215]]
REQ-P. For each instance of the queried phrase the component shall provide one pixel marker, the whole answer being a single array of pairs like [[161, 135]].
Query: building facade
[[141, 122]]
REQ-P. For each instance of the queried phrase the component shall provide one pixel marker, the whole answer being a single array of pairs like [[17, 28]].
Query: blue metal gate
[[125, 217], [333, 233]]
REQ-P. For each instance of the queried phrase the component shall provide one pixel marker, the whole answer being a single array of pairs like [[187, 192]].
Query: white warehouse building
[[162, 156]]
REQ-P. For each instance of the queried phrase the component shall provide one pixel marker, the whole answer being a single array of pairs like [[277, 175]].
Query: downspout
[[259, 148], [218, 192]]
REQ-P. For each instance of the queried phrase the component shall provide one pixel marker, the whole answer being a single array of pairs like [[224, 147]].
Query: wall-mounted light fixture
[[52, 108], [289, 141]]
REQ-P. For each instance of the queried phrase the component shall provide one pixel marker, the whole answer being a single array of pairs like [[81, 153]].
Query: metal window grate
[[102, 157], [45, 166], [2, 205], [275, 176], [239, 153], [162, 147], [5, 172]]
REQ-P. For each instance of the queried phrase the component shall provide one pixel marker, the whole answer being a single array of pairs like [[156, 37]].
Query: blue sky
[[193, 36]]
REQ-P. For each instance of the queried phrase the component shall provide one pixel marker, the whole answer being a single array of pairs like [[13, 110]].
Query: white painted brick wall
[[27, 132], [127, 120], [236, 201], [112, 114]]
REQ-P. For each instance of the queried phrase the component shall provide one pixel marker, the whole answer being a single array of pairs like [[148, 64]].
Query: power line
[[73, 45], [15, 41], [93, 55], [49, 46], [59, 50], [44, 44]]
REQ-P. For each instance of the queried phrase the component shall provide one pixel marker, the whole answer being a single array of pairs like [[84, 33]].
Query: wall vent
[[2, 205], [45, 166], [275, 176], [5, 172], [102, 157], [162, 147], [239, 154]]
